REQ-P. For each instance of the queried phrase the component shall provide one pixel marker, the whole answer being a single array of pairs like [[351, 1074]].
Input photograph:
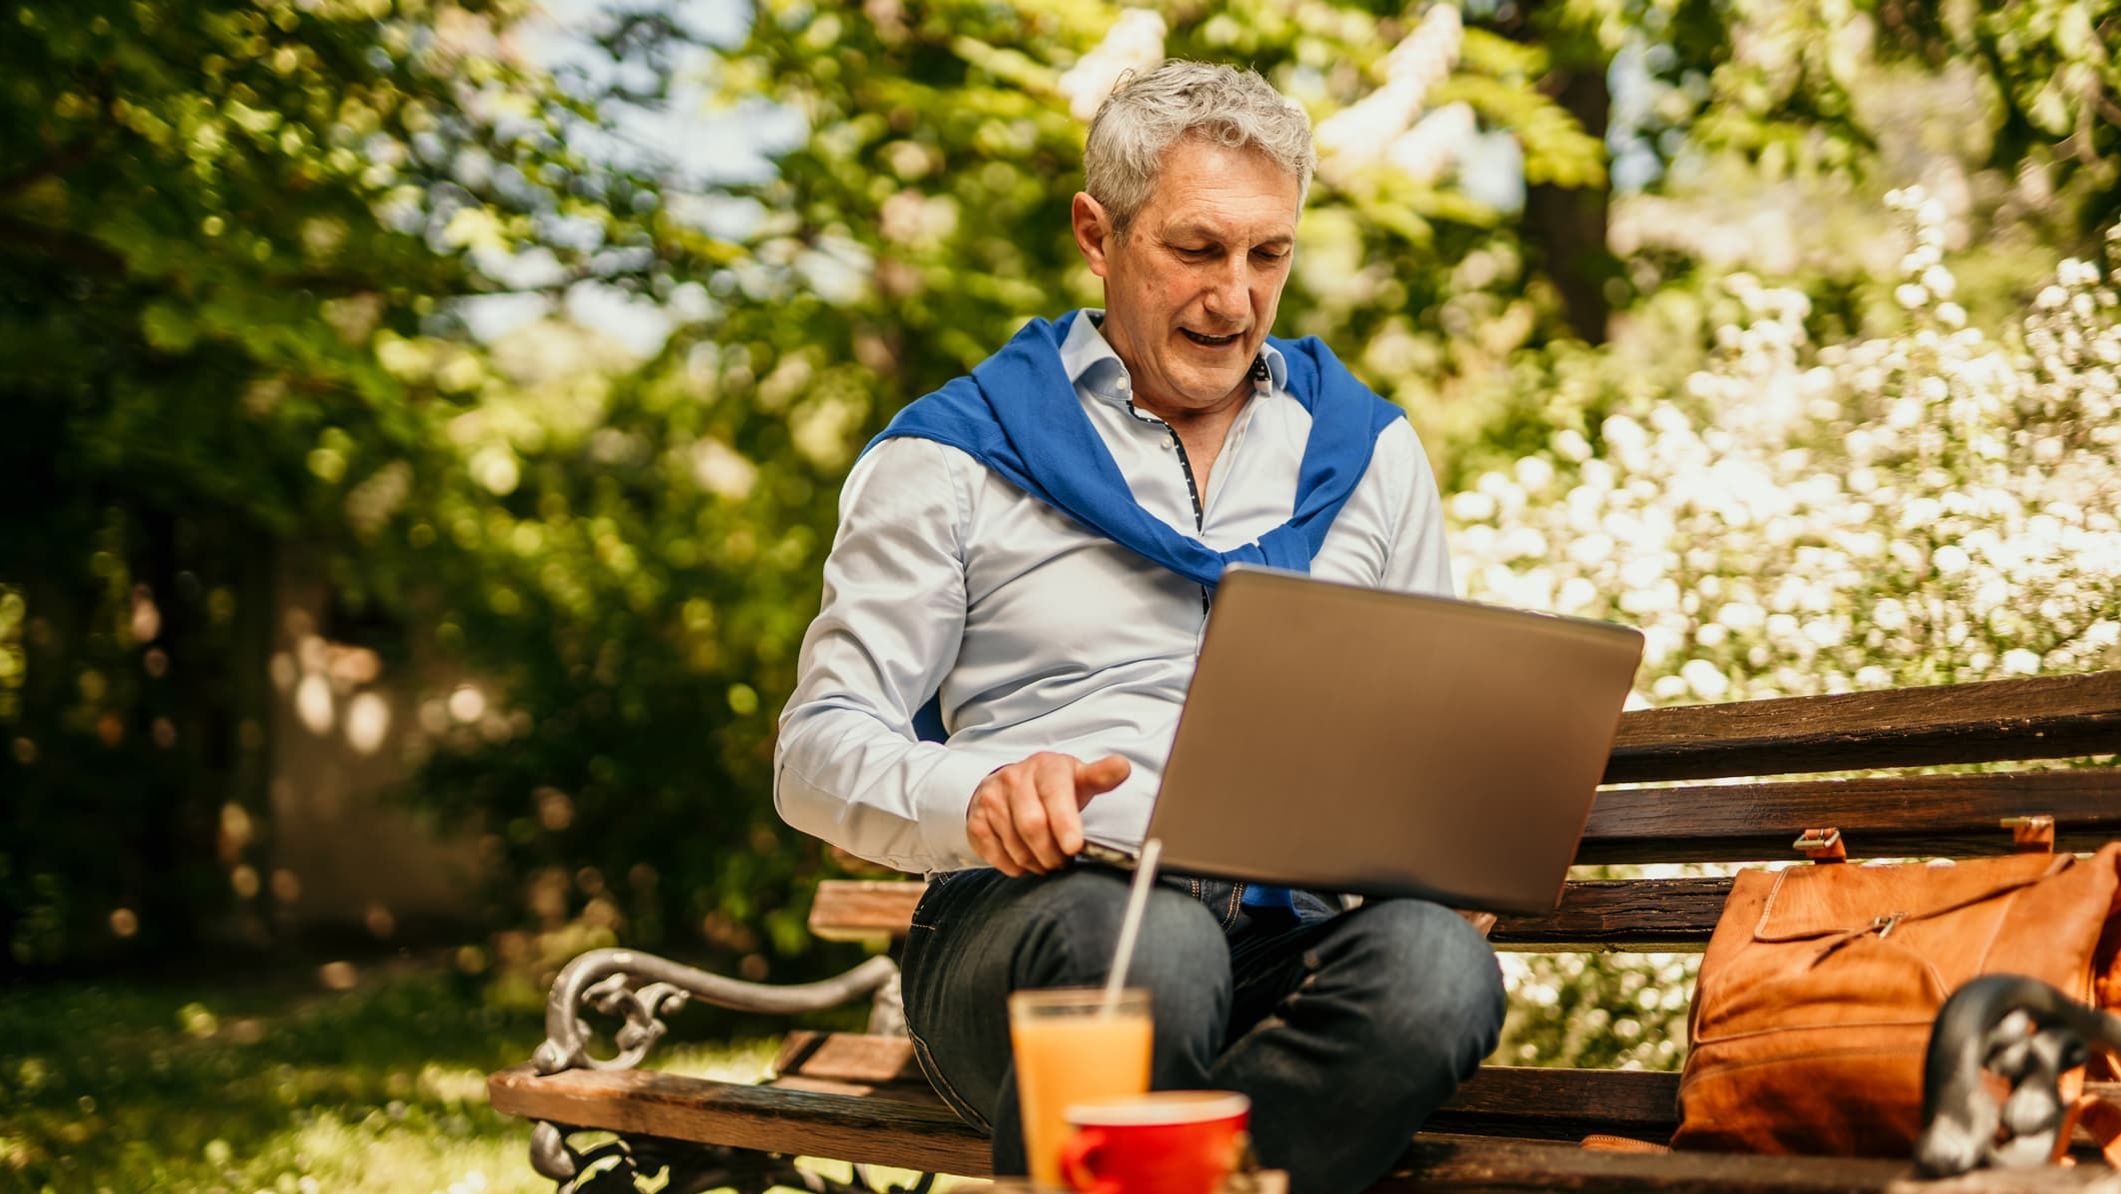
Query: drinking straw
[[1137, 901]]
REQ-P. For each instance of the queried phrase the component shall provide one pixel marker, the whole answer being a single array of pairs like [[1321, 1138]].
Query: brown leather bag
[[1820, 984]]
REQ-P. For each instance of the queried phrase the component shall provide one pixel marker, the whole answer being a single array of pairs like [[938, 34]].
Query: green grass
[[275, 1085]]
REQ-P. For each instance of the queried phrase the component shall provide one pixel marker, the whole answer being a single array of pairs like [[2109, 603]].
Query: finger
[[1027, 805], [1107, 773], [989, 847], [1001, 817], [1064, 818]]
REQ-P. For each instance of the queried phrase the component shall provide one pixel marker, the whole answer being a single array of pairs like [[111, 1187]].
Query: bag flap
[[1820, 901]]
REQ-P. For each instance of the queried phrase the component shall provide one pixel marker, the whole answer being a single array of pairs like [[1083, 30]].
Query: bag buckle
[[1821, 845], [1886, 924], [2031, 834]]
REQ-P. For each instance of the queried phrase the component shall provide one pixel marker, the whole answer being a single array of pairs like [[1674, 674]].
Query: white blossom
[[1381, 125], [1935, 501], [1135, 42], [1705, 679]]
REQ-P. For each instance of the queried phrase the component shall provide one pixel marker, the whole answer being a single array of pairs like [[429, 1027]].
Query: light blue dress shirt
[[1039, 634]]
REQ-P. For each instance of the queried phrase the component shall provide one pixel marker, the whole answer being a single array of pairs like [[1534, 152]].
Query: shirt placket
[[1185, 464]]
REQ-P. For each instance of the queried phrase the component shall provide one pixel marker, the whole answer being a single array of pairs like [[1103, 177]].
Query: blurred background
[[423, 422]]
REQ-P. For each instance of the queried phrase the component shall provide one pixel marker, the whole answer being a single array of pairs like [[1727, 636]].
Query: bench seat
[[1693, 784], [904, 1126]]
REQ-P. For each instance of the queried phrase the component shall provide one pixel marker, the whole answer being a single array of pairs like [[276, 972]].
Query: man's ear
[[1093, 231]]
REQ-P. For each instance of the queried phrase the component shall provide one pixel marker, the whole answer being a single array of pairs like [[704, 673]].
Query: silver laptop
[[1352, 740]]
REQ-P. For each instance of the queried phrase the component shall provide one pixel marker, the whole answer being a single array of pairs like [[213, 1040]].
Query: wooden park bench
[[860, 1097]]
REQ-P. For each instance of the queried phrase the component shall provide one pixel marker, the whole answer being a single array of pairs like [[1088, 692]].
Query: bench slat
[[848, 1057], [1474, 1163], [2046, 717], [1506, 1097], [863, 909], [814, 1116], [1889, 817], [926, 1136], [1898, 816], [1611, 914], [907, 1134]]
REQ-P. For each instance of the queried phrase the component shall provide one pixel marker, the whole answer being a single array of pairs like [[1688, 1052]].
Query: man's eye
[[1269, 254], [1195, 253]]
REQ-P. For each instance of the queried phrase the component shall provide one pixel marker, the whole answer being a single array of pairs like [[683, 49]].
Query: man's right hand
[[1027, 819]]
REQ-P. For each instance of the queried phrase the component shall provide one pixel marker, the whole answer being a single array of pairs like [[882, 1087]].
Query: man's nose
[[1230, 290]]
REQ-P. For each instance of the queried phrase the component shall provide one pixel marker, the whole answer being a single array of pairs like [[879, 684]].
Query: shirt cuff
[[942, 799]]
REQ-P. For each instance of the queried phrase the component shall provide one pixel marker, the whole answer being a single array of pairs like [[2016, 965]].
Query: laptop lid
[[1351, 739]]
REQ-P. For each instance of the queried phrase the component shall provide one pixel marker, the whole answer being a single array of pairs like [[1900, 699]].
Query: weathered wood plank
[[1612, 914], [926, 1136], [864, 909], [1621, 914], [1472, 1163], [1562, 1104], [904, 1133], [1571, 1102], [848, 1057], [1888, 817], [1506, 1100], [2046, 717], [1955, 815]]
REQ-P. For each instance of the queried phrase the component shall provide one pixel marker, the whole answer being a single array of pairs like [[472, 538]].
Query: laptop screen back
[[1349, 739]]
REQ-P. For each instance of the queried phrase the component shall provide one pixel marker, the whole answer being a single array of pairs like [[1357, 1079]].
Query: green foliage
[[237, 238], [275, 1085], [241, 246], [1620, 1011], [2055, 82]]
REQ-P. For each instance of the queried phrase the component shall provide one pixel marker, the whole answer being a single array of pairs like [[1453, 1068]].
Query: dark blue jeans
[[1346, 1028]]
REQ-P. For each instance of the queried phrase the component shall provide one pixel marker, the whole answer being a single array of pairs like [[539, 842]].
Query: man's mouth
[[1210, 341]]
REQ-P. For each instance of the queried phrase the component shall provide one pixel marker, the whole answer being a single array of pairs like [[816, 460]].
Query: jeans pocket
[[948, 891], [927, 912]]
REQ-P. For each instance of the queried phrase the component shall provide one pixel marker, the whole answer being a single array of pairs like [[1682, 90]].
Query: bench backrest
[[1667, 814]]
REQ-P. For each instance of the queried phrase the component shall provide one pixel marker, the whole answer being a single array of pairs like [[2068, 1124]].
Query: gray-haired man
[[1037, 546]]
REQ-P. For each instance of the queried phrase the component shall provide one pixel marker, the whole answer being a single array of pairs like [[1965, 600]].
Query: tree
[[231, 240]]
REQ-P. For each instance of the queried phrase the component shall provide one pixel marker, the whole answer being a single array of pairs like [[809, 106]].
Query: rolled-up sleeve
[[849, 767]]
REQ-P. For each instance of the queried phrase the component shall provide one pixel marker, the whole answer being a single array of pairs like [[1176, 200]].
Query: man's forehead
[[1226, 193], [1198, 225]]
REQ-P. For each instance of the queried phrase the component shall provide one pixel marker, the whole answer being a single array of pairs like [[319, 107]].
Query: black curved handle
[[2022, 1030]]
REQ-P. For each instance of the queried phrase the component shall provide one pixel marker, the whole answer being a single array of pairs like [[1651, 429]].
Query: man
[[1037, 545]]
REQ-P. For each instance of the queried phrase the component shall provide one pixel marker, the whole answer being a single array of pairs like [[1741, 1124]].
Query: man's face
[[1191, 287]]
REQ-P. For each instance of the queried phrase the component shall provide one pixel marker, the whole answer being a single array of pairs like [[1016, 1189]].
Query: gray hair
[[1147, 114]]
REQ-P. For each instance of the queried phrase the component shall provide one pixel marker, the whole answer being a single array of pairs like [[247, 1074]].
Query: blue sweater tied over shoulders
[[1018, 414]]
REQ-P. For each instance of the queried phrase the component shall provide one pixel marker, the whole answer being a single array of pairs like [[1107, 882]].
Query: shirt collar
[[1092, 365]]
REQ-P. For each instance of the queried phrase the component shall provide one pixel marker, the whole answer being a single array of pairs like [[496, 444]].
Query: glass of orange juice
[[1073, 1048]]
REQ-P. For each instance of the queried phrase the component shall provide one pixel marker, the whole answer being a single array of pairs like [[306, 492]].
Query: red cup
[[1169, 1142]]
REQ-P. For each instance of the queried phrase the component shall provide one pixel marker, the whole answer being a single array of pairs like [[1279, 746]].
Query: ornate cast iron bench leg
[[642, 988]]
